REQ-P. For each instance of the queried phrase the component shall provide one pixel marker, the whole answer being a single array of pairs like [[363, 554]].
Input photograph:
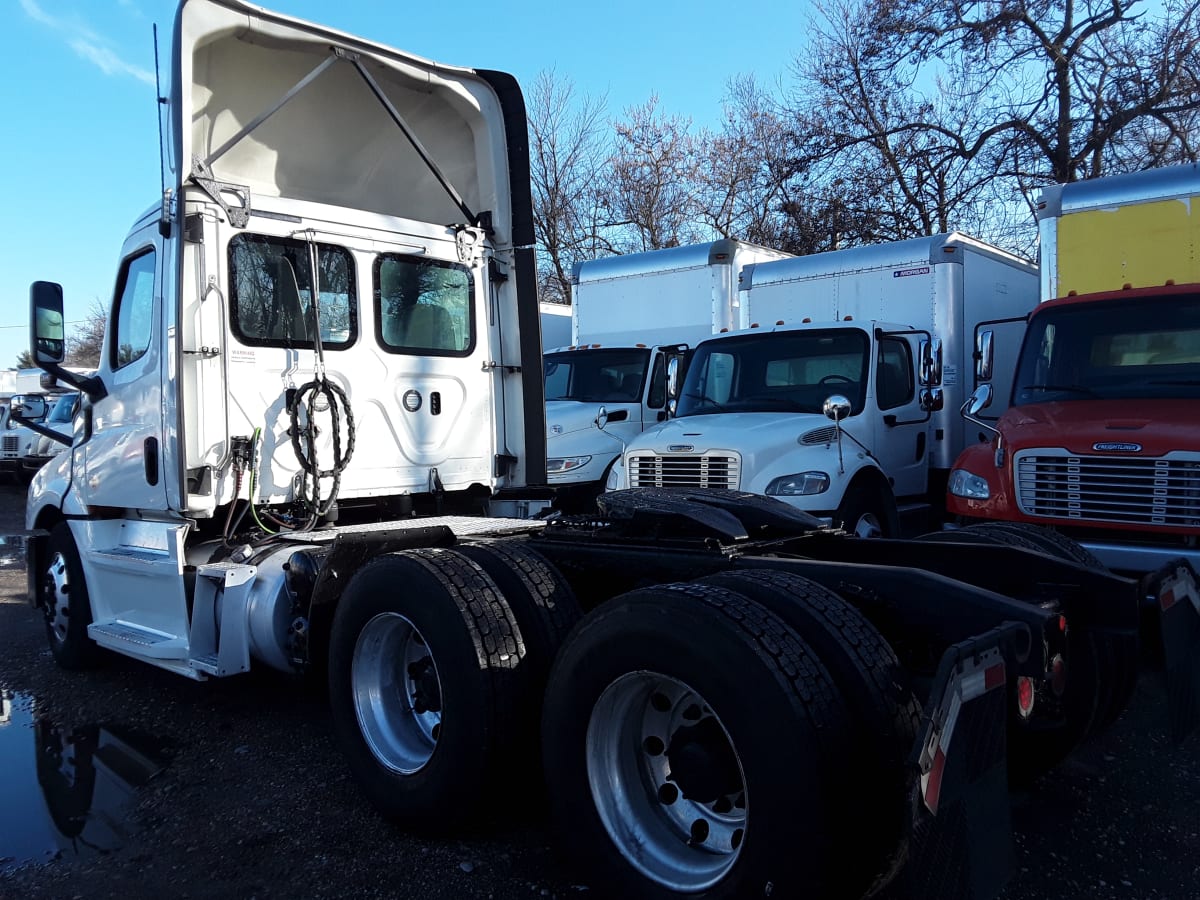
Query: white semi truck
[[880, 339], [336, 302], [631, 315]]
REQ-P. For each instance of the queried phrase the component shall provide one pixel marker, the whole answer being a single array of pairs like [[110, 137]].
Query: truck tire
[[63, 595], [540, 598], [864, 513], [421, 638], [545, 610], [1055, 543], [693, 745], [884, 712]]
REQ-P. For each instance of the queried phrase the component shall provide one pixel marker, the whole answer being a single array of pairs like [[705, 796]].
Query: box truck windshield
[[1112, 350], [772, 372]]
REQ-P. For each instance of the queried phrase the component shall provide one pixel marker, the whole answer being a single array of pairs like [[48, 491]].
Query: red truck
[[1102, 438]]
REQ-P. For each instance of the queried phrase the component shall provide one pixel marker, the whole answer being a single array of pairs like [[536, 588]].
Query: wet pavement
[[68, 789]]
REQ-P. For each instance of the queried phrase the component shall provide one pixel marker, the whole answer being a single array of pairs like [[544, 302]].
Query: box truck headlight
[[801, 484], [967, 484], [566, 464]]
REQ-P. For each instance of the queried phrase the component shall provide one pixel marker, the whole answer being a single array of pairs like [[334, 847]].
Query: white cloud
[[87, 43]]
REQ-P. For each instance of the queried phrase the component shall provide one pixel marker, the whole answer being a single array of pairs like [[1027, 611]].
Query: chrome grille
[[1127, 490], [10, 443], [710, 470]]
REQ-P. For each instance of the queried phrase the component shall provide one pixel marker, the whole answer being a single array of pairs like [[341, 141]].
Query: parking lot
[[137, 783]]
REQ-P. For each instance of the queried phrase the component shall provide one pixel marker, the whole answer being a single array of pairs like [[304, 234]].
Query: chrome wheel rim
[[397, 693], [56, 598], [666, 781], [868, 526]]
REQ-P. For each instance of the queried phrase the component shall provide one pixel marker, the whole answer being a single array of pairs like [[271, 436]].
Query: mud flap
[[960, 830], [1179, 617]]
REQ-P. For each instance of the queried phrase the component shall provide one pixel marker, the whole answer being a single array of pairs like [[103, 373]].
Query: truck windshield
[[782, 371], [1120, 349], [64, 409], [598, 375]]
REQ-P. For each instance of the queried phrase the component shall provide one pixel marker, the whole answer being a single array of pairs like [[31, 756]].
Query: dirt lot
[[254, 799]]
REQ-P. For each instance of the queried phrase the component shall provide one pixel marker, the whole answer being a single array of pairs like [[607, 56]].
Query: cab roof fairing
[[334, 141]]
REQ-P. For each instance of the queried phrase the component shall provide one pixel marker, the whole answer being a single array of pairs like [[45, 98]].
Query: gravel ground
[[256, 801]]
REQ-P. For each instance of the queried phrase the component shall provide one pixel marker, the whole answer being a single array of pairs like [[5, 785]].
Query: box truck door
[[123, 456]]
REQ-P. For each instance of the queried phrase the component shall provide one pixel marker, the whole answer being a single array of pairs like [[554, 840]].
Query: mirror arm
[[91, 385], [976, 421], [41, 429]]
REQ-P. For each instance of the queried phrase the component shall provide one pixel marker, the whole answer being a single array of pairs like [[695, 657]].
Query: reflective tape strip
[[984, 676], [1180, 585]]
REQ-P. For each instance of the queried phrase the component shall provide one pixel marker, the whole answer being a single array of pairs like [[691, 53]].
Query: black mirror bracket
[[92, 385]]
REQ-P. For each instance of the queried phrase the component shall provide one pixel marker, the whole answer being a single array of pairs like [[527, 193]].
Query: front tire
[[65, 602], [864, 513]]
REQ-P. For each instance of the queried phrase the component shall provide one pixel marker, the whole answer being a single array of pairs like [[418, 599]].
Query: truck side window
[[894, 375], [424, 306], [134, 312], [271, 293], [658, 383]]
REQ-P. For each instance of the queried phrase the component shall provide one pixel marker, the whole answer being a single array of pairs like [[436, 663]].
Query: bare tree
[[86, 345], [568, 149], [740, 178], [651, 191], [1065, 89]]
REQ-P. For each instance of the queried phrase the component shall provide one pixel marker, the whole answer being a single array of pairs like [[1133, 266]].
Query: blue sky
[[79, 159]]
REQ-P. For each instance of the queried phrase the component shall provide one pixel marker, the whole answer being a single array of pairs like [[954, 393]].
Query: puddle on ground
[[12, 551], [67, 789]]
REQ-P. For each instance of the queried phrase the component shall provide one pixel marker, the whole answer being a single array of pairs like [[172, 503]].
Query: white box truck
[[631, 315], [698, 678], [881, 339]]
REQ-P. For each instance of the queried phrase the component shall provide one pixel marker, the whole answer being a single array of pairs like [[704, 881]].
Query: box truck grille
[[1127, 490], [10, 443], [712, 471]]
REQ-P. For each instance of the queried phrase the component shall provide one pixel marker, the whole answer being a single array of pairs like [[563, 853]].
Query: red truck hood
[[1155, 426]]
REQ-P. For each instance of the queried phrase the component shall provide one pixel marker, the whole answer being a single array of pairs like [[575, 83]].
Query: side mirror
[[602, 417], [836, 407], [931, 362], [932, 399], [47, 338], [28, 407], [672, 379], [980, 400], [983, 356]]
